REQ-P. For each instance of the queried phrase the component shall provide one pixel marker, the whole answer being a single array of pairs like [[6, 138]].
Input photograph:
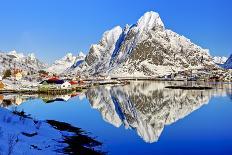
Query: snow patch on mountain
[[69, 60], [219, 60], [148, 21], [16, 60]]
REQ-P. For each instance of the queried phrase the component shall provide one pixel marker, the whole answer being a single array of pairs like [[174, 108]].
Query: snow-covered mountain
[[143, 49], [13, 59], [228, 63], [69, 60], [219, 60]]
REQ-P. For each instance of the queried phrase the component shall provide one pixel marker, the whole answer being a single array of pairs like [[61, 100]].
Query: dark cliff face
[[228, 63]]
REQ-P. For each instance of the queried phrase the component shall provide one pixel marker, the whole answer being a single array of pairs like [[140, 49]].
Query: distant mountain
[[69, 60], [219, 60], [15, 60], [143, 49], [228, 63]]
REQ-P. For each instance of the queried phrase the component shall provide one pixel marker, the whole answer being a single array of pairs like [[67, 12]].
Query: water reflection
[[147, 107], [14, 99], [17, 99]]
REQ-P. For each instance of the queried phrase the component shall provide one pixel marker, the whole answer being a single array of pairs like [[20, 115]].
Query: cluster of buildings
[[201, 75], [55, 83]]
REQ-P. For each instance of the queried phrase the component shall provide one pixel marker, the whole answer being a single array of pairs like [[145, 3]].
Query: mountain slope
[[143, 49], [14, 60], [228, 63], [69, 60]]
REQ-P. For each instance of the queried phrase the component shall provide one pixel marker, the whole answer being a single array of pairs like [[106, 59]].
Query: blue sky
[[51, 28]]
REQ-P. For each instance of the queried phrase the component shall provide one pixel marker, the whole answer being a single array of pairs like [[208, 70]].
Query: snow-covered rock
[[143, 49], [15, 60], [219, 60], [19, 135], [69, 60]]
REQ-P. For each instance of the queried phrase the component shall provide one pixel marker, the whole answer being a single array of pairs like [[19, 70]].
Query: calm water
[[145, 118]]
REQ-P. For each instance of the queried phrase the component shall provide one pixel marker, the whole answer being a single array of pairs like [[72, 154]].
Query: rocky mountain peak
[[150, 20], [143, 49], [111, 36]]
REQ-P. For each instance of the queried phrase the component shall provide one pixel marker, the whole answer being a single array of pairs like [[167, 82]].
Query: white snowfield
[[59, 66], [21, 136], [142, 50], [219, 60]]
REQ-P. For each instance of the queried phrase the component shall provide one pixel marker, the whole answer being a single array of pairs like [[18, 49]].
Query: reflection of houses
[[18, 100], [8, 100], [51, 98]]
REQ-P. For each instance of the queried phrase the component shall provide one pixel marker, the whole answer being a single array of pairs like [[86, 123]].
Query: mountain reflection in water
[[147, 107]]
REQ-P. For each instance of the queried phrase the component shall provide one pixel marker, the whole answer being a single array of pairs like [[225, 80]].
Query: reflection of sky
[[205, 131]]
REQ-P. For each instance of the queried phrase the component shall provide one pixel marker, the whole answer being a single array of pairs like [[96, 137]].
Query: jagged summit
[[16, 60], [150, 20], [143, 49], [100, 53], [81, 54], [59, 66]]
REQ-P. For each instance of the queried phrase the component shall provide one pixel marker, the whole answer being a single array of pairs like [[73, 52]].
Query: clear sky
[[51, 28]]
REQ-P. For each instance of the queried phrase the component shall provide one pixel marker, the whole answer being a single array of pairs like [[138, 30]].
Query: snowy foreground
[[20, 134]]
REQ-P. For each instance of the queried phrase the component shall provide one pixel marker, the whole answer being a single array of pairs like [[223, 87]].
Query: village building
[[54, 84], [24, 73], [65, 85], [17, 74], [73, 84], [1, 99], [2, 86]]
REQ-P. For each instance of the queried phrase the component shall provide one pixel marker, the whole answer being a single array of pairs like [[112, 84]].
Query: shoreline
[[100, 82]]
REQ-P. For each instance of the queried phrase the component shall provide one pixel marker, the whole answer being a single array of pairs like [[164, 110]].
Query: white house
[[66, 85], [18, 76]]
